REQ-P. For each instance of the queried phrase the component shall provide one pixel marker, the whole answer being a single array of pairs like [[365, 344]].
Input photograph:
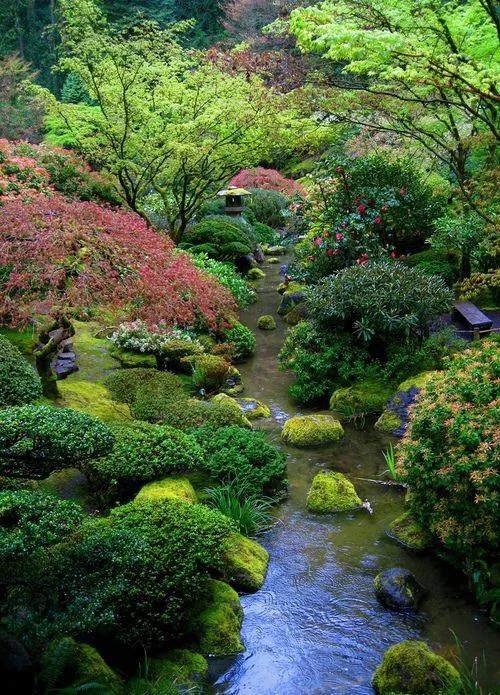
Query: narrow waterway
[[316, 627]]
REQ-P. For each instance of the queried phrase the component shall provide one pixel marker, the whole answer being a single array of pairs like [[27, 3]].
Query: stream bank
[[316, 627]]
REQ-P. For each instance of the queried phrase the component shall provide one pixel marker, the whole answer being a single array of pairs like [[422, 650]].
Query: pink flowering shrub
[[85, 259], [269, 179]]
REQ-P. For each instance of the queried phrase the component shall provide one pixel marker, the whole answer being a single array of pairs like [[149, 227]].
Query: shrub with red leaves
[[269, 179], [86, 260]]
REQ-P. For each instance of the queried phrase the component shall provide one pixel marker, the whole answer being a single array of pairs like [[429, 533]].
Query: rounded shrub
[[155, 395], [266, 323], [192, 413], [141, 453], [448, 459], [127, 579], [30, 520], [243, 340], [267, 206], [124, 383], [233, 453], [19, 382], [209, 372], [221, 237], [34, 440]]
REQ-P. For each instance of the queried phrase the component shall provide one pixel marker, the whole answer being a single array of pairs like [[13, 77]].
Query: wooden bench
[[468, 313]]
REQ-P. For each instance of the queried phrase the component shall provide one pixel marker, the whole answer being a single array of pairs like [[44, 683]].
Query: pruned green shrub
[[127, 579], [209, 372], [233, 453], [19, 382], [30, 520], [221, 237], [155, 395], [124, 383], [141, 453], [243, 340], [267, 206], [192, 413], [35, 440]]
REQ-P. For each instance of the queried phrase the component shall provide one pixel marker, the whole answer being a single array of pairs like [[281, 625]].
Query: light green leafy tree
[[161, 121], [427, 70]]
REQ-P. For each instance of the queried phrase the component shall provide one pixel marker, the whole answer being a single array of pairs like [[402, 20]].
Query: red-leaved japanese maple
[[84, 260], [269, 179]]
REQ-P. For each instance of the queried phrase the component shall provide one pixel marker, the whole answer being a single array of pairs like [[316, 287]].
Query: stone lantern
[[234, 200]]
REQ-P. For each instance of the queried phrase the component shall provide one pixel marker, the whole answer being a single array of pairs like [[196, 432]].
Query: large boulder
[[408, 533], [312, 430], [216, 621], [394, 417], [331, 492], [70, 664], [180, 670], [174, 487], [253, 408], [364, 399], [397, 588], [289, 300], [411, 668], [244, 563]]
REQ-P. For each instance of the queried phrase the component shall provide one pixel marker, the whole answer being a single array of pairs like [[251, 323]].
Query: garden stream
[[316, 627]]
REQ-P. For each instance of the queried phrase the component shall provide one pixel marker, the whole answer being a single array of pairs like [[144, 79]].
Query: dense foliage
[[269, 179], [221, 237], [90, 258], [448, 458], [36, 439], [19, 382], [192, 413], [267, 206], [141, 453], [128, 578], [233, 453], [227, 277], [242, 339]]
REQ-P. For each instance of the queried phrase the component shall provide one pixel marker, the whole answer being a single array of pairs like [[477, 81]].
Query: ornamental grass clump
[[448, 458]]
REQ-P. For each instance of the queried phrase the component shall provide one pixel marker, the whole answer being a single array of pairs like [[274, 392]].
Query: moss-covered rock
[[266, 323], [273, 260], [408, 533], [312, 430], [411, 668], [70, 664], [180, 670], [366, 398], [68, 484], [331, 492], [418, 381], [273, 250], [133, 359], [388, 422], [255, 274], [216, 621], [296, 315], [291, 287], [397, 588], [92, 398], [253, 408], [175, 487], [245, 563]]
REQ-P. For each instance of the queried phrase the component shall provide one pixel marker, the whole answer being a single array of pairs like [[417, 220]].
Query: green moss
[[273, 260], [245, 563], [133, 359], [175, 487], [255, 274], [312, 430], [295, 315], [25, 341], [69, 484], [365, 398], [92, 398], [266, 323], [408, 533], [254, 409], [216, 621], [92, 354], [412, 668], [179, 669], [331, 492], [70, 664], [290, 288], [388, 422], [418, 381]]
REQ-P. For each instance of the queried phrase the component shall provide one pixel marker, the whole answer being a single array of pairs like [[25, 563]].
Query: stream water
[[315, 627]]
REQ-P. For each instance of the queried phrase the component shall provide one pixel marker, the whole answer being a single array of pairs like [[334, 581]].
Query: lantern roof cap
[[233, 190]]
